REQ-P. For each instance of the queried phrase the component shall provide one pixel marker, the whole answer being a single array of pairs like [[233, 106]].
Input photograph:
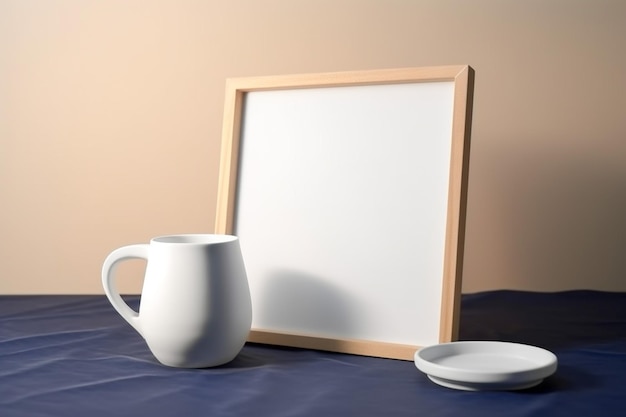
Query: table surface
[[73, 355]]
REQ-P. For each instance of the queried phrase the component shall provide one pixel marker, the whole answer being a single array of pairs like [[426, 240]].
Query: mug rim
[[194, 239]]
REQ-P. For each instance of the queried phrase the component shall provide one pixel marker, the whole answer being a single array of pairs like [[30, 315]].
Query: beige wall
[[110, 119]]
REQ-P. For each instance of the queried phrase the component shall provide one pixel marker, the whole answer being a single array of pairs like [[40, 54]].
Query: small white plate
[[484, 365]]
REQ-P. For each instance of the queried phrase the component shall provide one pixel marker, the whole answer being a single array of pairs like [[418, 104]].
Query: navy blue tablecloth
[[74, 356]]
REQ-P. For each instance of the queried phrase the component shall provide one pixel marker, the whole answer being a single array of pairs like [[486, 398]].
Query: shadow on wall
[[555, 220]]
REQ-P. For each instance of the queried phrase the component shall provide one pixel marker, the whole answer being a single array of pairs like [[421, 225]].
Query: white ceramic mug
[[195, 308]]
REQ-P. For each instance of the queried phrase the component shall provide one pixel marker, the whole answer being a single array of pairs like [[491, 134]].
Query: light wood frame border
[[463, 78]]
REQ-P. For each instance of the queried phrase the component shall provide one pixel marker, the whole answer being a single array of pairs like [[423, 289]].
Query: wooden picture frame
[[348, 191]]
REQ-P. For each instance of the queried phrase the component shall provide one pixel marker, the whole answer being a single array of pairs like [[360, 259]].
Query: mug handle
[[139, 251]]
